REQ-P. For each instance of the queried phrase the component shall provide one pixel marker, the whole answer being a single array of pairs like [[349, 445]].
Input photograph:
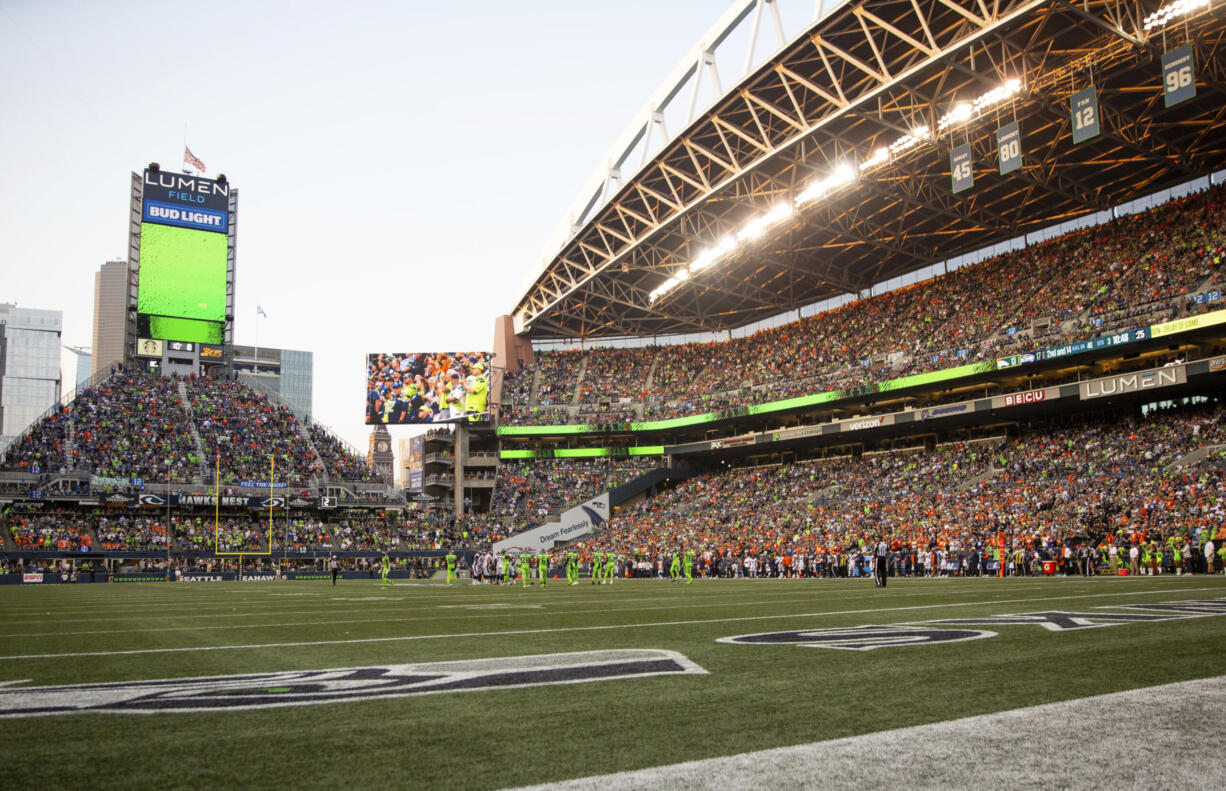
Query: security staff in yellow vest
[[476, 390]]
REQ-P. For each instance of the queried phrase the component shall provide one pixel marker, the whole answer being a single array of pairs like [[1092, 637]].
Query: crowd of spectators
[[558, 376], [131, 425], [1089, 486], [607, 413], [244, 429], [1137, 270], [517, 385], [337, 460], [617, 373], [535, 416], [60, 532], [134, 425], [131, 533], [528, 493], [1093, 485]]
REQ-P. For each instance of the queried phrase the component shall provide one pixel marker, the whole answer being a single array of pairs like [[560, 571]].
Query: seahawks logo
[[860, 638], [867, 638], [340, 685]]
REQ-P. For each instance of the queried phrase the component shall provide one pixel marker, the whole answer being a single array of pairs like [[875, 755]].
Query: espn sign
[[1122, 384]]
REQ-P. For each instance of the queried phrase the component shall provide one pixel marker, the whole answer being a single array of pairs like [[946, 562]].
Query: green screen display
[[182, 293], [168, 328]]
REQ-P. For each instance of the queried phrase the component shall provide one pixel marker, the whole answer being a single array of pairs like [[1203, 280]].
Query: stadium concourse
[[1135, 270]]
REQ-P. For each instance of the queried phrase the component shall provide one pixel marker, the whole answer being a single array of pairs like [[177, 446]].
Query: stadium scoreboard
[[183, 229]]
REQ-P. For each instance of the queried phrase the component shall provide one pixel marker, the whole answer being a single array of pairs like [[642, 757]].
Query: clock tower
[[379, 459]]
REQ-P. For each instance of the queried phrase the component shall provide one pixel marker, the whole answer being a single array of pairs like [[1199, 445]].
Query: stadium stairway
[[201, 470], [980, 478], [534, 392], [71, 441], [647, 482], [574, 402], [304, 431], [620, 495], [1194, 457], [825, 493], [651, 377]]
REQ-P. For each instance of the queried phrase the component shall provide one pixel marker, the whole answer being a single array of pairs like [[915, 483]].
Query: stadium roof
[[828, 168]]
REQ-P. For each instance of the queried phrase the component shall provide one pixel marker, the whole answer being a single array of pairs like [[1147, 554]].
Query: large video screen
[[415, 463], [439, 387], [183, 243]]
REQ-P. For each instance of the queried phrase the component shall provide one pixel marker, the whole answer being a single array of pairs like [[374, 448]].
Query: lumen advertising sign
[[1135, 382]]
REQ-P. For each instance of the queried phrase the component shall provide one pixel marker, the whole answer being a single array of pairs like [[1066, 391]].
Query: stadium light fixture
[[965, 111], [1172, 11], [703, 261], [961, 113], [757, 226], [878, 157], [909, 140], [818, 188], [843, 174], [749, 231]]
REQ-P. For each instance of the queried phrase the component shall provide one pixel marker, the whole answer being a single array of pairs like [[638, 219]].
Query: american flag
[[191, 159]]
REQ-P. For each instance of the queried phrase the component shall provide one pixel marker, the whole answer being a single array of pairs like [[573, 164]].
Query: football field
[[643, 683]]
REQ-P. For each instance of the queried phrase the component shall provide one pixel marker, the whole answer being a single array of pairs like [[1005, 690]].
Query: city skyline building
[[110, 315], [288, 374], [29, 366], [76, 368]]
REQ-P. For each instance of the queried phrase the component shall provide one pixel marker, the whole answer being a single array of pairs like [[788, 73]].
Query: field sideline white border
[[1145, 738]]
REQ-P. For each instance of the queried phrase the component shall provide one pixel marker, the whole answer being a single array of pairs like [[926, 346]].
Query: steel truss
[[856, 81]]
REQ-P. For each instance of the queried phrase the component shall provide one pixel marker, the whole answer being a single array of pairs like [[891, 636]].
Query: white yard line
[[602, 627], [191, 598], [555, 611], [198, 609], [1144, 738]]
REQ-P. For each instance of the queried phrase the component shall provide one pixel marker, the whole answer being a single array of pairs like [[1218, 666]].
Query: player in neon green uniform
[[542, 566], [597, 566], [525, 570], [386, 565], [689, 566], [572, 567], [610, 566], [508, 570], [674, 568], [451, 572]]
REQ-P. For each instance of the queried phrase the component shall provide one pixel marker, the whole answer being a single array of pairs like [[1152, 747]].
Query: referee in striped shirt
[[880, 549]]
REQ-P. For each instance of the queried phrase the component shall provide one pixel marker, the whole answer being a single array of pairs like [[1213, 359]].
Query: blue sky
[[400, 165]]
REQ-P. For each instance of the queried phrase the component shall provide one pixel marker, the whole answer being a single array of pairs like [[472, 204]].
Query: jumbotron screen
[[183, 242], [439, 387]]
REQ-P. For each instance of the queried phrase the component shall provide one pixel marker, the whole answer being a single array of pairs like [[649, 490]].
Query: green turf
[[754, 697]]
